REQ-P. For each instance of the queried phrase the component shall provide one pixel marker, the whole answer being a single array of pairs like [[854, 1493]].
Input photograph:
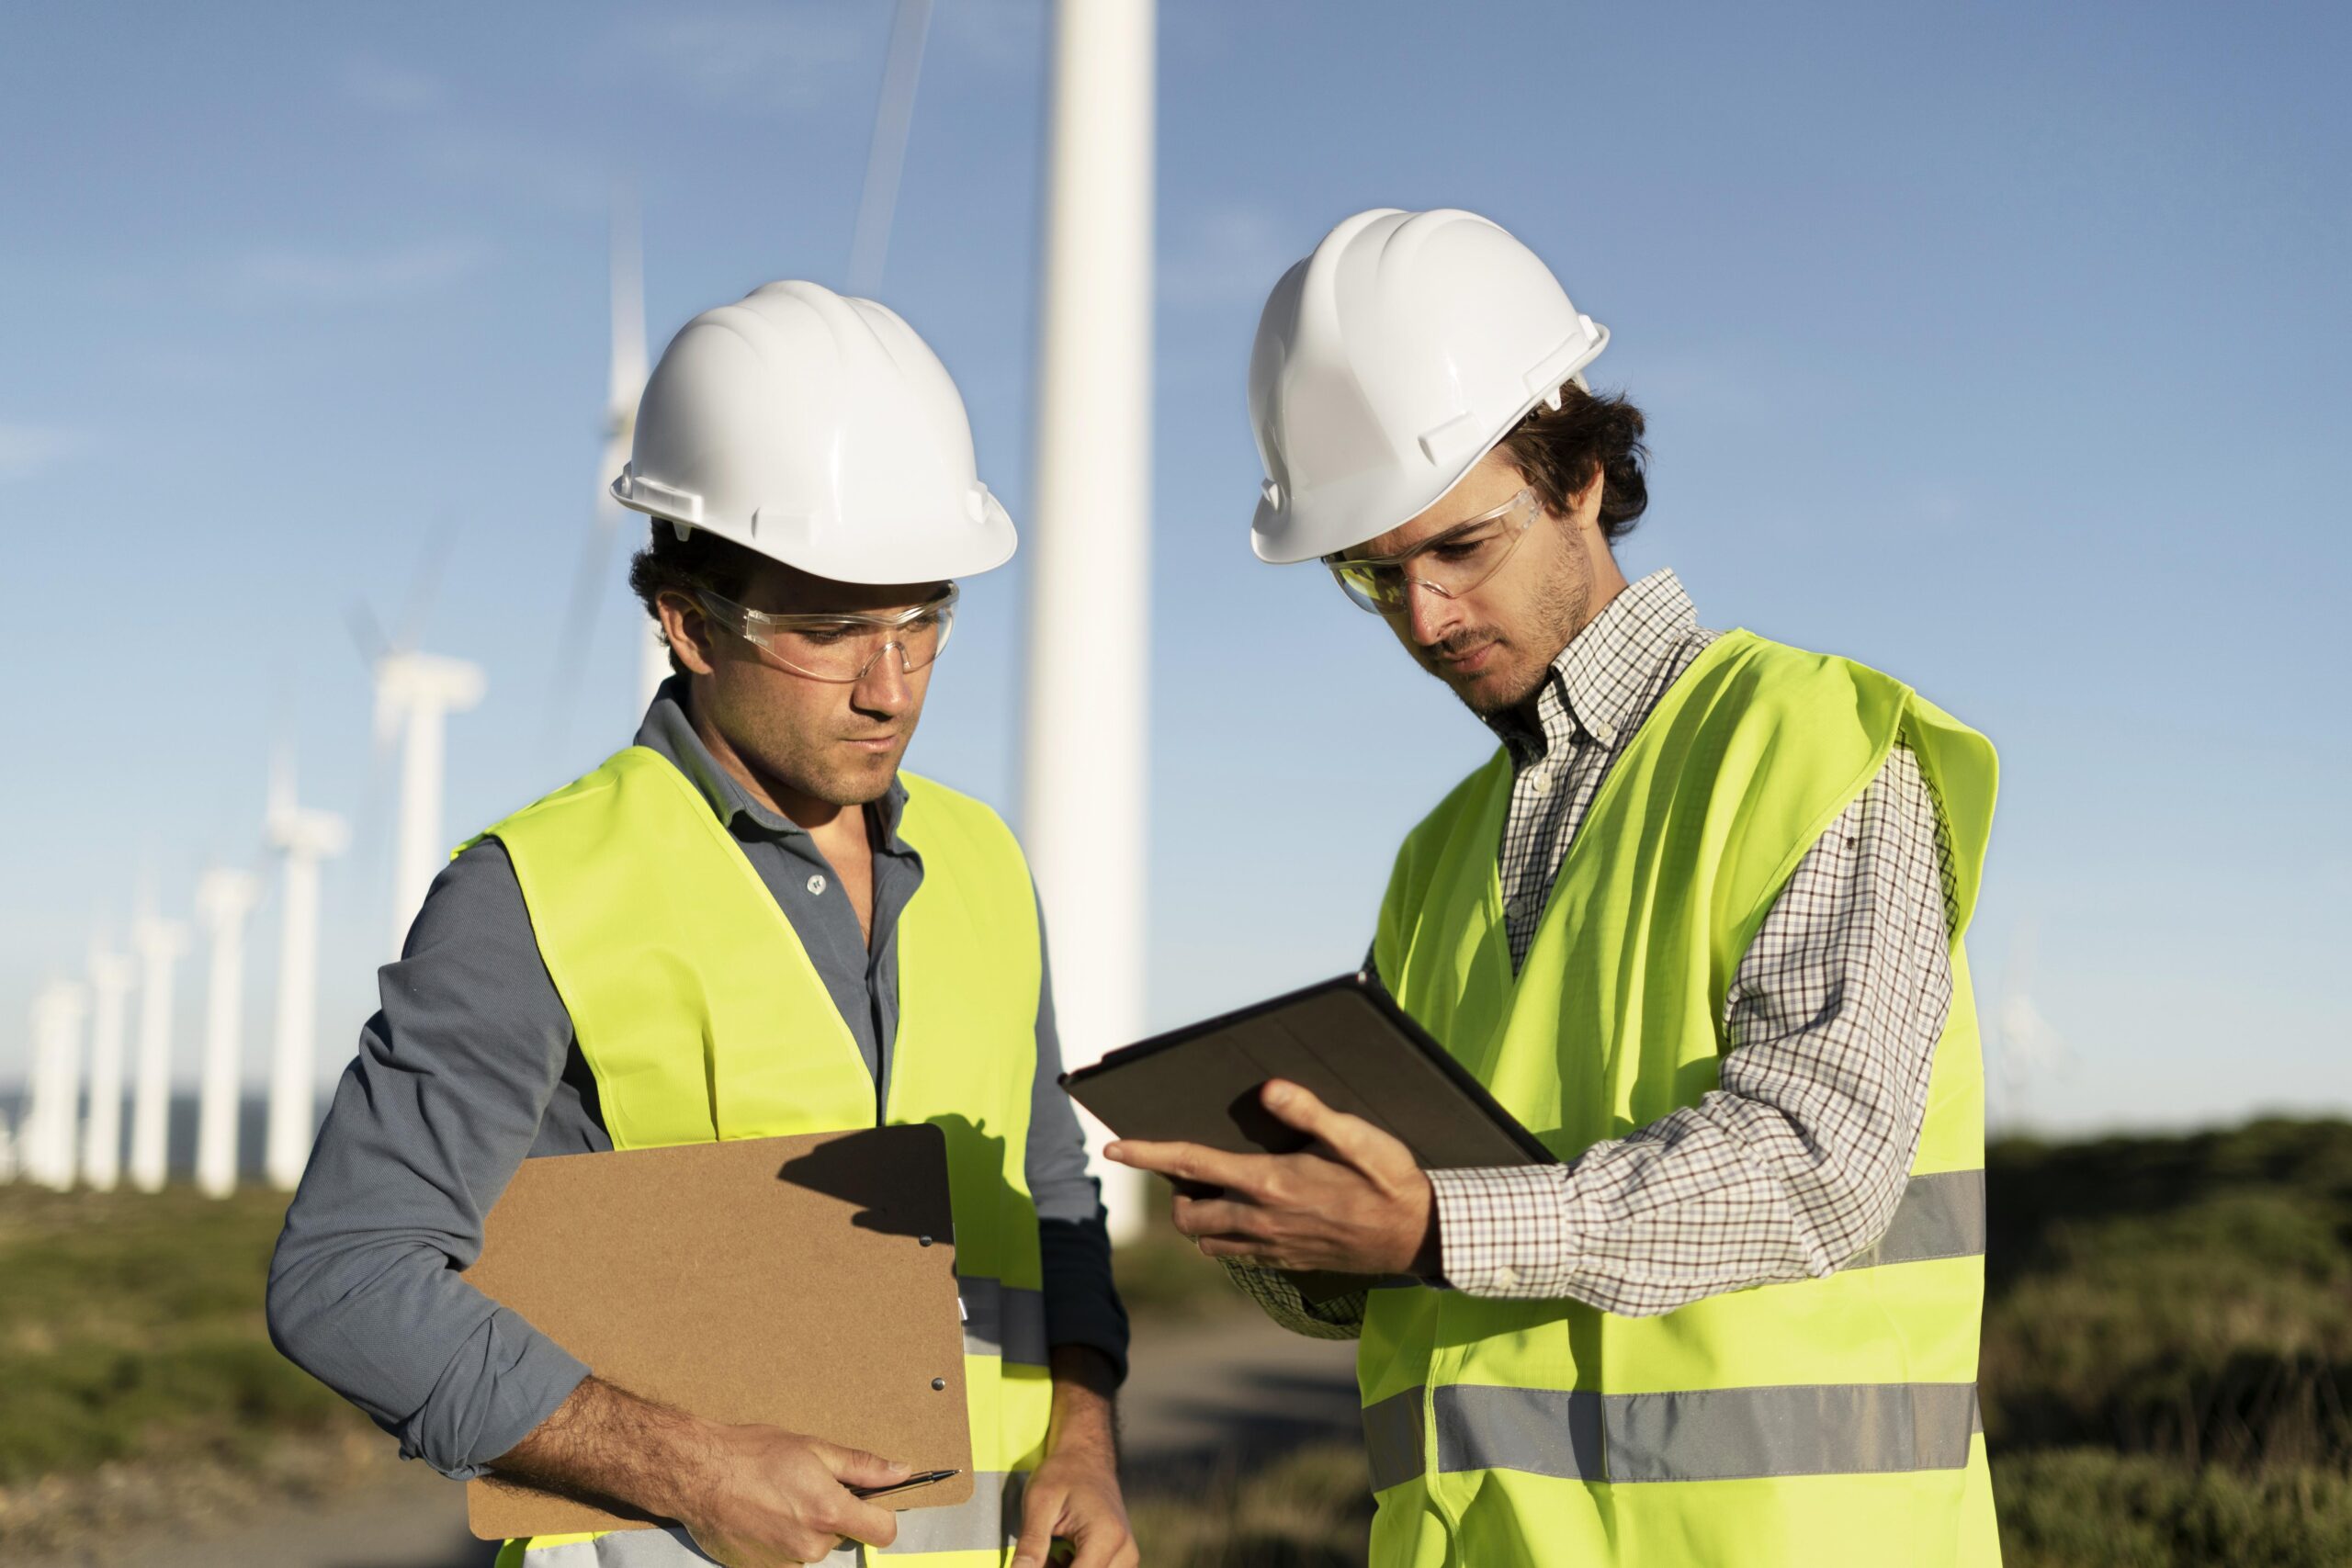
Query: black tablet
[[1346, 1039]]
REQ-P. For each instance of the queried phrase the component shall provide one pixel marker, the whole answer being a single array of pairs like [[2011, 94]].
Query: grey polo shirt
[[471, 1067]]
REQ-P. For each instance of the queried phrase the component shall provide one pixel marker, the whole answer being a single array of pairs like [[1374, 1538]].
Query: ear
[[688, 631], [1584, 505]]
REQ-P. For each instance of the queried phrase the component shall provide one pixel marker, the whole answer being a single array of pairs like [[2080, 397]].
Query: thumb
[[1041, 1510], [1352, 1138], [855, 1467], [1296, 1105]]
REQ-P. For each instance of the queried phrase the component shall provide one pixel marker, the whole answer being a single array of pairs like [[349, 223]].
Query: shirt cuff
[[1504, 1230], [462, 1429]]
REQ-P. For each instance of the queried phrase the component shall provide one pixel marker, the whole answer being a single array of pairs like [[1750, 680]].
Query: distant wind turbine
[[625, 384], [223, 899], [158, 943], [2031, 1050], [415, 694], [302, 839], [110, 976], [57, 1011]]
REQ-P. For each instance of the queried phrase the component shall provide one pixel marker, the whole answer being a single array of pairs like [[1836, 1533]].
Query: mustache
[[1459, 642]]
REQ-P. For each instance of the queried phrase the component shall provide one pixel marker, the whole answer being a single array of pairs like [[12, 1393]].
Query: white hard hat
[[819, 430], [1389, 362]]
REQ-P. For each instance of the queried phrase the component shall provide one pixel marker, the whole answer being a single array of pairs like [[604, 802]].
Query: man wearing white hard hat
[[755, 858], [1696, 922]]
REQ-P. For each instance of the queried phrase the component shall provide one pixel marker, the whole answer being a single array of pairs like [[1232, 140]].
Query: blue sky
[[1999, 347]]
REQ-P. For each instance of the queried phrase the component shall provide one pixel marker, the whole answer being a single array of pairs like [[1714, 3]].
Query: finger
[[1240, 1246], [1189, 1162], [1041, 1510], [855, 1467], [1218, 1216], [1353, 1138], [1097, 1531], [860, 1520]]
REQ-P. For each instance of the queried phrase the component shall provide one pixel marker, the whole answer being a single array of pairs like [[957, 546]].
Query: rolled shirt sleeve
[[443, 1100], [1082, 1305]]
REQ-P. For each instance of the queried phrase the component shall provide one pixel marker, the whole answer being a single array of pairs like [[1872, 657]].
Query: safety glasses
[[1449, 564], [840, 646]]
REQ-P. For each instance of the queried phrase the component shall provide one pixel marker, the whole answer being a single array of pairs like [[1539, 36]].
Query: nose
[[882, 689], [1429, 614]]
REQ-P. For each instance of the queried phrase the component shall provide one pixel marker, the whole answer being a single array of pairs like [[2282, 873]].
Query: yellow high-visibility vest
[[702, 1018], [1829, 1421]]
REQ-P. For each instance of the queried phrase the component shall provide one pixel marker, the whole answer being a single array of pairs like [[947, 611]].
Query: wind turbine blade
[[367, 633], [886, 157], [579, 634], [627, 363], [432, 559]]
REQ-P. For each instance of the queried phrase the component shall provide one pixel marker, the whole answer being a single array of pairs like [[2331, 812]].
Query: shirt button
[[1507, 1277], [815, 884]]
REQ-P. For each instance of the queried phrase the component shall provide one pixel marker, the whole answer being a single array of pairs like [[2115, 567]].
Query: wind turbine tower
[[624, 387], [57, 1011], [102, 1130], [415, 694], [303, 838], [1090, 541], [158, 943], [223, 899]]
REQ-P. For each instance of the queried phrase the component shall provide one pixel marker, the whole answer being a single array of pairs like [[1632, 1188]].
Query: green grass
[[130, 1330], [2168, 1358]]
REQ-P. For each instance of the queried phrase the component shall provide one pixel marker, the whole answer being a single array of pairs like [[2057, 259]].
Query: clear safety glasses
[[1449, 564], [840, 646]]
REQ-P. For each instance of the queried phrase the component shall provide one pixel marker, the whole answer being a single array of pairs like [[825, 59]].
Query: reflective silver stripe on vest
[[988, 1522], [1716, 1434], [1940, 1216], [1392, 1437], [1003, 1320]]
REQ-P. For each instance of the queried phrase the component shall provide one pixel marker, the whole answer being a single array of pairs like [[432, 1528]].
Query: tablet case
[[1346, 1041]]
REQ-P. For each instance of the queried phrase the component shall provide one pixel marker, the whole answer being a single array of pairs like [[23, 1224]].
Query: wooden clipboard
[[805, 1282]]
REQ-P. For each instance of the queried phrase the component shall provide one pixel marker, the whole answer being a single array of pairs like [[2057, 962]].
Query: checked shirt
[[1795, 1163]]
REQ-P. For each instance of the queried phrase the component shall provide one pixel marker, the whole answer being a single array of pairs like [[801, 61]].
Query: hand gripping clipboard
[[1344, 1039], [805, 1282]]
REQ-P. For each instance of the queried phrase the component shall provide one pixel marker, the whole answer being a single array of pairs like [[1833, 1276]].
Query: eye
[[830, 632]]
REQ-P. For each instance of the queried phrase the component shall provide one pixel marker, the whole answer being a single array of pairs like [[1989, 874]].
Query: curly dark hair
[[701, 560], [1559, 449]]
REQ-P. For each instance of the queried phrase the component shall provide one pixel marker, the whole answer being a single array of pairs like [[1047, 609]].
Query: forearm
[[604, 1441], [1085, 1418]]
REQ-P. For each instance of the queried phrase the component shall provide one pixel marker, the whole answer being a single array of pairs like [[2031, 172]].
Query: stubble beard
[[1555, 613]]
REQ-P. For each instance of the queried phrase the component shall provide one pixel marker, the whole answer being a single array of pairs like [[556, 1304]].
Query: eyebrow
[[1437, 538]]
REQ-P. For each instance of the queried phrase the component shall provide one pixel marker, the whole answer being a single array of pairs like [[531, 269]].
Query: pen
[[922, 1478]]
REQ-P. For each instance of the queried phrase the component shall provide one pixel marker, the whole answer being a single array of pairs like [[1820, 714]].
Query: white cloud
[[790, 56], [27, 449], [1227, 256], [321, 278]]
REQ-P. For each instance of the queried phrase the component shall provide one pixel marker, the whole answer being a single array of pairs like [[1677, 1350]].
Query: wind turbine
[[223, 899], [1090, 541], [415, 694], [2031, 1048], [158, 943], [58, 1010], [102, 1131], [625, 384], [303, 838]]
